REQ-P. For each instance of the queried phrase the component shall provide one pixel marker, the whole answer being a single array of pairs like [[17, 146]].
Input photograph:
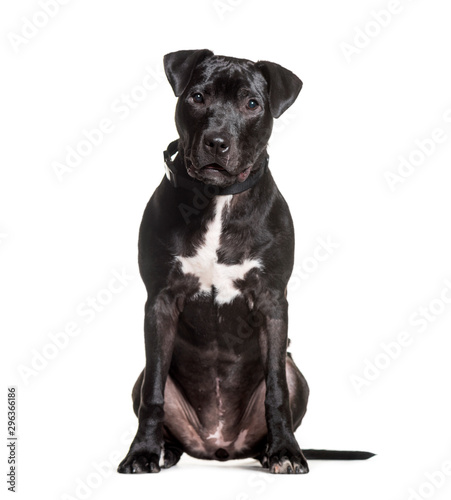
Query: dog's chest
[[215, 277]]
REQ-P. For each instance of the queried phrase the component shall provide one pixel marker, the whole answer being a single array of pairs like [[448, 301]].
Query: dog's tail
[[337, 455]]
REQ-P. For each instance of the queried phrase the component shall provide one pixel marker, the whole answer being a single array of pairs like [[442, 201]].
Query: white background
[[60, 240]]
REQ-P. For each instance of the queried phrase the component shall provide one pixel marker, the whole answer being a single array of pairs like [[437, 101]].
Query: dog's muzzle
[[177, 173]]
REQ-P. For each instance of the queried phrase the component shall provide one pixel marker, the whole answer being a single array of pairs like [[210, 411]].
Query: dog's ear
[[284, 86], [179, 67]]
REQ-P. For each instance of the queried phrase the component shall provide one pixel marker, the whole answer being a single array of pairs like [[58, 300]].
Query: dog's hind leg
[[136, 393], [298, 390], [172, 449]]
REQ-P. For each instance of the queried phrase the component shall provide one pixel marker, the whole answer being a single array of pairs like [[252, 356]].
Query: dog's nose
[[216, 145]]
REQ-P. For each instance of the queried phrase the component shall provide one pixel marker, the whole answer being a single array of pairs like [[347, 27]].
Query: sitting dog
[[216, 249]]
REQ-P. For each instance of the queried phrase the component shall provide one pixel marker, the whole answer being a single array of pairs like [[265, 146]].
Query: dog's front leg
[[283, 454], [160, 324]]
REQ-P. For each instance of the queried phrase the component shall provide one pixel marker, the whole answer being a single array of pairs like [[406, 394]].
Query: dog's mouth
[[215, 173], [217, 167]]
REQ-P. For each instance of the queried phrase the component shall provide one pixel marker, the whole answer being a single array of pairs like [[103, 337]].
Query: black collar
[[179, 177]]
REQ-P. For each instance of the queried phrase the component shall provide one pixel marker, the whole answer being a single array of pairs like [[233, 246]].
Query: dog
[[216, 251]]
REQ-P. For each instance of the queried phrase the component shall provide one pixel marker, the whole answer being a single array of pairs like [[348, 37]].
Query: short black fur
[[218, 383]]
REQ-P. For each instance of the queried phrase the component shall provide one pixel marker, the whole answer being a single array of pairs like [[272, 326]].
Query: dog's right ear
[[179, 67]]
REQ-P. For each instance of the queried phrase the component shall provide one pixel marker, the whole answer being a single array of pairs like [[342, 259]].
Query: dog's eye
[[198, 97], [252, 104]]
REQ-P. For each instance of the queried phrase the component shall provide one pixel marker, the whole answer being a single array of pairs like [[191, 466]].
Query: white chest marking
[[205, 266]]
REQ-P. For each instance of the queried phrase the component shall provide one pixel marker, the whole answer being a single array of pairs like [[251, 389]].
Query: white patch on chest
[[205, 266]]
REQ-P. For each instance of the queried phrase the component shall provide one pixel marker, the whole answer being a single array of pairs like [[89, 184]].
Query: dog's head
[[225, 111]]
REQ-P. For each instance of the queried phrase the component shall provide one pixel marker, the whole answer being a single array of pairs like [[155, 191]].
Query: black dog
[[215, 253]]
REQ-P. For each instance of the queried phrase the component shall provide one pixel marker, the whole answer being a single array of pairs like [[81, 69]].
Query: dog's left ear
[[284, 86], [179, 67]]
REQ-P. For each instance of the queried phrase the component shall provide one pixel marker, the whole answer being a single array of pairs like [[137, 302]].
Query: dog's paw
[[286, 460], [139, 462], [171, 456]]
